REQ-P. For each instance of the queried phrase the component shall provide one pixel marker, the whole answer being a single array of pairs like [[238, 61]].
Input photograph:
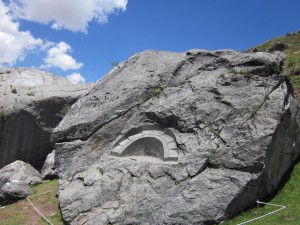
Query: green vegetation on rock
[[140, 102], [290, 45], [30, 93], [157, 90], [65, 108]]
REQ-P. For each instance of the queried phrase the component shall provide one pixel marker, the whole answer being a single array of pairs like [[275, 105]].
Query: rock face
[[49, 170], [15, 181], [32, 103], [177, 138]]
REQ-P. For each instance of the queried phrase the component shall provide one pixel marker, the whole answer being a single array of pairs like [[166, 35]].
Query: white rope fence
[[36, 209], [270, 213], [40, 193]]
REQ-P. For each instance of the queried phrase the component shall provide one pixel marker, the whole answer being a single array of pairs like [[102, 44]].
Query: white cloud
[[73, 15], [76, 78], [58, 56], [14, 44]]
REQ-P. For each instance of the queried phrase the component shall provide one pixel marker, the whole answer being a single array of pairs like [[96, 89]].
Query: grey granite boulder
[[15, 190], [32, 103], [49, 170], [15, 181], [177, 138]]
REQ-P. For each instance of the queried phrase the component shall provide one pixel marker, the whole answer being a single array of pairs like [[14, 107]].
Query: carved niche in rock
[[147, 145]]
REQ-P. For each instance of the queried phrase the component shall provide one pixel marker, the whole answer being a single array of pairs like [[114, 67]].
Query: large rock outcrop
[[32, 103], [177, 138]]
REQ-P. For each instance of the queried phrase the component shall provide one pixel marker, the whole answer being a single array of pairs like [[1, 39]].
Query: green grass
[[140, 102], [30, 93], [289, 196], [157, 90], [292, 41], [23, 213], [292, 61]]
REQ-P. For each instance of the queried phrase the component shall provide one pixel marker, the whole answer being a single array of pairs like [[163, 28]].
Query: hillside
[[290, 45]]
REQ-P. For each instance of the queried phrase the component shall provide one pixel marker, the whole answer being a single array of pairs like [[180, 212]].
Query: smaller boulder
[[15, 181], [16, 190], [22, 172], [49, 170]]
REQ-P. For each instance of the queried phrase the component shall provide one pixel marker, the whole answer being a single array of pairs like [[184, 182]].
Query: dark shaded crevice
[[191, 56], [217, 133], [204, 167], [178, 68], [155, 177], [165, 122], [214, 91], [130, 173], [252, 63], [191, 87], [290, 89], [253, 169], [282, 183], [226, 103], [251, 192], [172, 177]]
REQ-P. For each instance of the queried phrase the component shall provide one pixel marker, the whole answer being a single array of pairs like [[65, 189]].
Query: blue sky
[[82, 38]]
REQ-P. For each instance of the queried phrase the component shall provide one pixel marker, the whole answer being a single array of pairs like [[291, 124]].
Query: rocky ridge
[[231, 115]]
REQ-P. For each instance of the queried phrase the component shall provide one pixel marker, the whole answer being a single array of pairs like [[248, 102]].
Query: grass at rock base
[[22, 213], [288, 196]]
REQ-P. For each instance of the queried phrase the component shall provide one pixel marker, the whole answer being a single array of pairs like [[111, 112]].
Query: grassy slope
[[23, 213], [292, 42], [289, 195]]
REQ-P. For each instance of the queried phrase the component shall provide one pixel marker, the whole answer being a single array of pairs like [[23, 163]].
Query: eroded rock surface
[[229, 118], [32, 103]]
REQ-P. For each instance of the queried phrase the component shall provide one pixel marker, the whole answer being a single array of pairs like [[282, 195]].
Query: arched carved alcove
[[147, 143]]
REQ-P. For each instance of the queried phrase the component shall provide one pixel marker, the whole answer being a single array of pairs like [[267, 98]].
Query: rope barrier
[[35, 208], [40, 193], [270, 213]]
